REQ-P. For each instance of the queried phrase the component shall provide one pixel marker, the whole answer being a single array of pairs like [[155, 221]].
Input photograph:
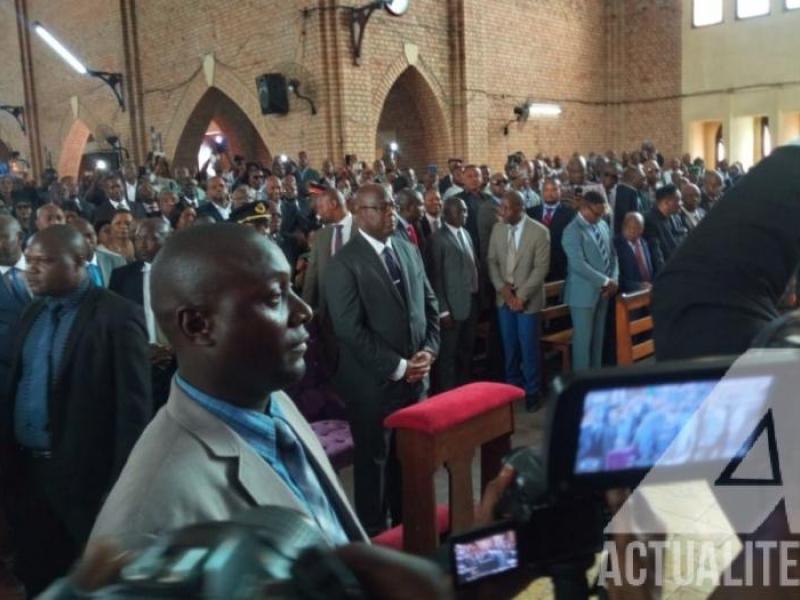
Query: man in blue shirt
[[77, 399]]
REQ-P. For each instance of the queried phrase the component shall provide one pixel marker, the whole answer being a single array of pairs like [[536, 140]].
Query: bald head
[[690, 194], [49, 215], [11, 237], [222, 295], [55, 259], [149, 237], [712, 184], [633, 226]]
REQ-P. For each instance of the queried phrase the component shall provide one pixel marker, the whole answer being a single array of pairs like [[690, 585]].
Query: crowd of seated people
[[187, 295]]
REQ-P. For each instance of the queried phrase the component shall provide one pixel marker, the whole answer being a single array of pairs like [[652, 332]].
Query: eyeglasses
[[388, 207]]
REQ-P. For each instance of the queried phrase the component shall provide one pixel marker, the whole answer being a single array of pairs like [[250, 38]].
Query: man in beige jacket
[[519, 258], [227, 439]]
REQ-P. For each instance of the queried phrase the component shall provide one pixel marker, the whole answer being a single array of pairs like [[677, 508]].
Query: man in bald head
[[712, 190], [48, 215], [78, 397], [228, 439]]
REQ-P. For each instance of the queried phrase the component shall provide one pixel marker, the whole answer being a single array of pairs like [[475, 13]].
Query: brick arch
[[228, 102], [72, 148], [409, 106]]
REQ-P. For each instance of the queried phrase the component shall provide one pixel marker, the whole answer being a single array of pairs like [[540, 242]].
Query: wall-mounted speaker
[[273, 94]]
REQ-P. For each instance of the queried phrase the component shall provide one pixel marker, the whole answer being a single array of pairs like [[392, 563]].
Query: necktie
[[644, 271], [95, 274], [412, 234], [293, 456], [548, 215], [394, 270], [337, 238], [436, 225], [55, 319], [601, 245], [17, 286], [511, 255], [468, 251]]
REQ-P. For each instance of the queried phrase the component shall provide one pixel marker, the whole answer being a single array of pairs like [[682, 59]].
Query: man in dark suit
[[721, 287], [132, 282], [115, 200], [218, 206], [409, 212], [431, 221], [474, 197], [712, 190], [663, 228], [386, 321], [554, 215], [636, 270], [454, 165], [73, 417], [627, 198], [452, 261], [14, 292]]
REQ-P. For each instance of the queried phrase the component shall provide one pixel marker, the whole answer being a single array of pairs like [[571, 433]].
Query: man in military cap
[[266, 219]]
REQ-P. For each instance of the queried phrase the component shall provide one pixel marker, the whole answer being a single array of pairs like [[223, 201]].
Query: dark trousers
[[454, 363], [376, 470], [44, 548]]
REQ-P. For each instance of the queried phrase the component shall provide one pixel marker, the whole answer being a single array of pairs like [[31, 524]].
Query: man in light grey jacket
[[519, 259]]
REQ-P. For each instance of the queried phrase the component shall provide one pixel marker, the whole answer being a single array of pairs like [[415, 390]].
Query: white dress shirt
[[517, 229], [121, 205], [224, 211], [434, 222], [379, 246], [130, 191], [149, 317], [21, 265], [347, 230]]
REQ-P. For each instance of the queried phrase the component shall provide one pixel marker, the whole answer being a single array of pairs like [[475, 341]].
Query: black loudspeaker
[[273, 94]]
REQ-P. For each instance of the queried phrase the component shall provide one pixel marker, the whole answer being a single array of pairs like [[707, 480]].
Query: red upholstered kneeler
[[445, 430]]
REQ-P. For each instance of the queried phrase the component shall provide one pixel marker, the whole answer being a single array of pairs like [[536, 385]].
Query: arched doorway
[[412, 118], [218, 119]]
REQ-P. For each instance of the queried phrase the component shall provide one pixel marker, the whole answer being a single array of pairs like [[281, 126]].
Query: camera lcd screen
[[477, 558], [624, 428]]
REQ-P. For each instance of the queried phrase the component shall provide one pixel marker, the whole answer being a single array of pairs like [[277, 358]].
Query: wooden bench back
[[628, 328]]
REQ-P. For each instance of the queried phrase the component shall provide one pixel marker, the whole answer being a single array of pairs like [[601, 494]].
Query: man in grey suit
[[386, 321], [453, 273], [100, 263], [592, 275], [519, 259], [227, 439]]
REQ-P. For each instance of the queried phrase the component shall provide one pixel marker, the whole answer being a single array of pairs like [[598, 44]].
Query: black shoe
[[533, 402]]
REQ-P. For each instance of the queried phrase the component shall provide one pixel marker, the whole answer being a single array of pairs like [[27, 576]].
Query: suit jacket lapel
[[377, 265]]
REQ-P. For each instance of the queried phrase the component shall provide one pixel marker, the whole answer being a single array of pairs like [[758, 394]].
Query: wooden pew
[[555, 327], [629, 327]]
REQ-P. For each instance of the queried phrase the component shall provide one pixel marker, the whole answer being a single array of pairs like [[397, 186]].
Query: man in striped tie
[[592, 275]]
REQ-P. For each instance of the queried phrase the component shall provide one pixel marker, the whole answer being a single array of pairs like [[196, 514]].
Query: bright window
[[707, 12], [792, 4], [751, 8]]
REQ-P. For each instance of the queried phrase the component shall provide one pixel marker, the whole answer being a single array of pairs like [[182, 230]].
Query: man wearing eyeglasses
[[592, 275], [386, 323]]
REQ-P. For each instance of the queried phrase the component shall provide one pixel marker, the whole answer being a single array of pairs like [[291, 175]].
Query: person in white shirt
[[691, 213]]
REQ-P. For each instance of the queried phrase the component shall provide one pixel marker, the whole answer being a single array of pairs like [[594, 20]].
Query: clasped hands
[[418, 366], [510, 298]]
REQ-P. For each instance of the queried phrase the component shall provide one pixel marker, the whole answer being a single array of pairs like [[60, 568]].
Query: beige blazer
[[531, 266], [188, 467]]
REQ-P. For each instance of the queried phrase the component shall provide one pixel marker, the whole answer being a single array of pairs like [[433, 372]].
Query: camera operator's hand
[[391, 575], [99, 567], [484, 514]]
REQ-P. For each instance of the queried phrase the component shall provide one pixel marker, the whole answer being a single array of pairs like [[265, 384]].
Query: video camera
[[268, 552], [605, 430]]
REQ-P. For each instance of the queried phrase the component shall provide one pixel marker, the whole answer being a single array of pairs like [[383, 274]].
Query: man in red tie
[[409, 212], [636, 270], [555, 215]]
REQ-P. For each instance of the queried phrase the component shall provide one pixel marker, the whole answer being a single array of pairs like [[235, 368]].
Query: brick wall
[[11, 89], [464, 65]]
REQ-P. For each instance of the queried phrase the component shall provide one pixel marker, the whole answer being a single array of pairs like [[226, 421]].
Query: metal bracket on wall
[[112, 80], [18, 112], [358, 16]]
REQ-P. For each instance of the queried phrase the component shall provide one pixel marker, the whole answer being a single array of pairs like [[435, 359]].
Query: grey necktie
[[511, 255]]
